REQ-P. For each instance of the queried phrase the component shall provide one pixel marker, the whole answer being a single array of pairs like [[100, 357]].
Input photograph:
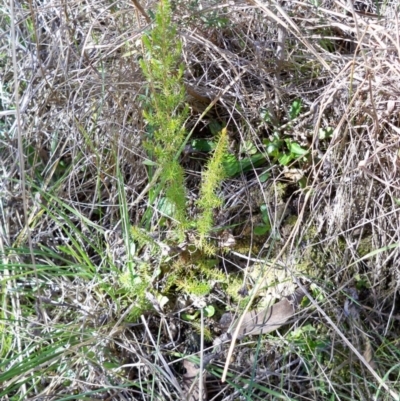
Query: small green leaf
[[325, 133], [148, 162], [295, 109], [249, 148], [303, 182], [203, 145], [215, 127], [296, 149], [265, 115], [264, 211], [272, 149], [166, 207], [162, 300], [111, 365], [285, 158], [209, 311], [188, 317], [261, 230], [265, 216], [264, 176]]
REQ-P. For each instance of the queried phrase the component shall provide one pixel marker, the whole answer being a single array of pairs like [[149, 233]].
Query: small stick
[[141, 9]]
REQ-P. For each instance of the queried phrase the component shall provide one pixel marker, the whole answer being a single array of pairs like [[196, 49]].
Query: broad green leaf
[[285, 158], [231, 165], [248, 163]]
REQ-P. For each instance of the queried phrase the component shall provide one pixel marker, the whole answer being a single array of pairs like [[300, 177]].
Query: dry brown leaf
[[369, 354], [226, 240], [268, 319], [191, 382], [293, 174]]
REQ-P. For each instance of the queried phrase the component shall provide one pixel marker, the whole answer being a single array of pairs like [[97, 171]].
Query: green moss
[[279, 190], [234, 288], [193, 274], [194, 287], [365, 246], [291, 220]]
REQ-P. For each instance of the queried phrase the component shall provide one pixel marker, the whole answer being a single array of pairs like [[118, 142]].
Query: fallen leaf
[[191, 382], [268, 319]]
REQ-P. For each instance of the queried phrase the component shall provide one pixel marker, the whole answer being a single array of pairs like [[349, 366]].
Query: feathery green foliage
[[165, 110], [195, 277], [211, 179], [165, 113]]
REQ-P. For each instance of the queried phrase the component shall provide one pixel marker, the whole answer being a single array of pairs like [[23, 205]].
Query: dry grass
[[66, 316]]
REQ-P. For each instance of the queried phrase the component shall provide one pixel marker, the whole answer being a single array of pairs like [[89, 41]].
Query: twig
[[140, 8]]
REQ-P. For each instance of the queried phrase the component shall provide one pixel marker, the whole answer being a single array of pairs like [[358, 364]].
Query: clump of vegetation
[[164, 163], [208, 200], [165, 111], [166, 114]]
